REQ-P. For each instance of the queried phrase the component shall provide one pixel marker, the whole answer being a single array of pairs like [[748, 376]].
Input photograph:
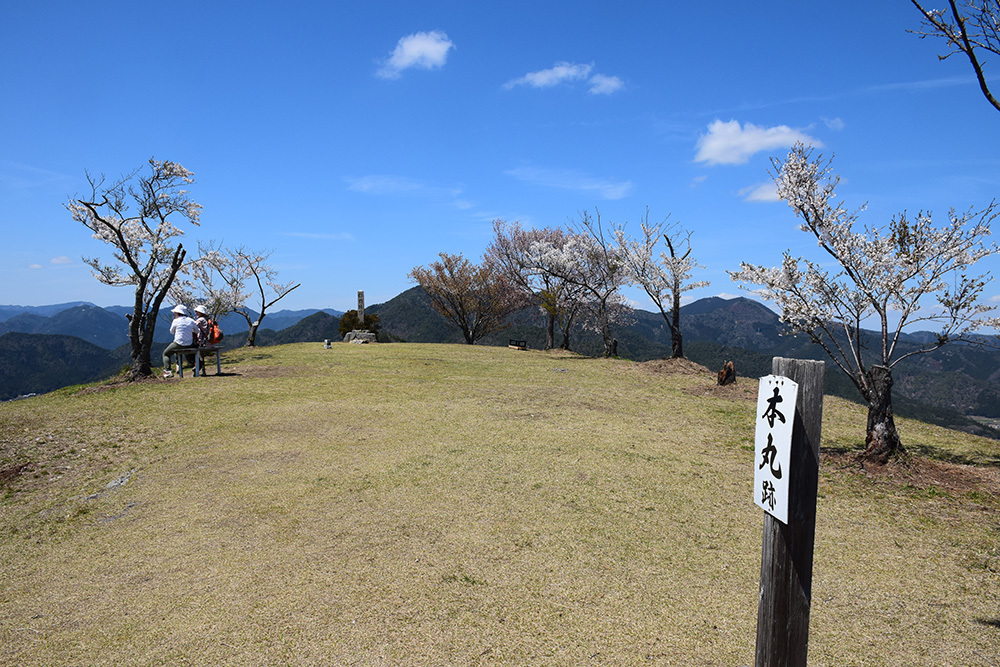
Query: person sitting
[[184, 330], [204, 326]]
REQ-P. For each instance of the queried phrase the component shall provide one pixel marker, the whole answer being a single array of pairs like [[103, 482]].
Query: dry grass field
[[452, 505]]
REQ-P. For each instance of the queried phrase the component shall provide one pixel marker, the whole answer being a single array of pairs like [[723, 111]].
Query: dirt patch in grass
[[9, 473], [118, 382], [918, 472], [673, 366], [265, 372], [741, 391]]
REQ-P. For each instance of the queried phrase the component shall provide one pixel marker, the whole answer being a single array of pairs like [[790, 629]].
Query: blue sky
[[358, 140]]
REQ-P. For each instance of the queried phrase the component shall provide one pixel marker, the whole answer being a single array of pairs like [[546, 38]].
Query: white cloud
[[601, 84], [404, 186], [570, 179], [61, 260], [566, 72], [835, 123], [425, 50], [559, 73], [728, 143], [766, 192], [34, 266], [380, 184]]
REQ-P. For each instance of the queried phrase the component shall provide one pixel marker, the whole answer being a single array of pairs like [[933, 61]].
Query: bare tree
[[476, 298], [910, 272], [664, 280], [971, 27], [136, 216], [592, 261], [557, 298]]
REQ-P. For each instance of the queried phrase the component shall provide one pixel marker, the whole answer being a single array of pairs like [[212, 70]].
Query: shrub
[[349, 322]]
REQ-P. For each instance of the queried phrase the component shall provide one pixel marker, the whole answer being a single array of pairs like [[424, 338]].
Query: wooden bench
[[517, 344], [199, 360]]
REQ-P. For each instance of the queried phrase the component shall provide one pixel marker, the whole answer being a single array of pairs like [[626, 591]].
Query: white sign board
[[773, 444]]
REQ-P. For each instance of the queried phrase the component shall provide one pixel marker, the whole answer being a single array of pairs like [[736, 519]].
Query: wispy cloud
[[729, 143], [561, 72], [916, 86], [571, 179], [337, 236], [61, 260], [567, 73], [390, 185], [34, 266], [835, 123], [601, 84], [17, 176], [424, 50], [765, 192], [383, 184], [386, 185]]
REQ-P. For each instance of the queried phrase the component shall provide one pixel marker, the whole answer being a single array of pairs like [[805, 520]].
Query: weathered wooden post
[[787, 553], [361, 308]]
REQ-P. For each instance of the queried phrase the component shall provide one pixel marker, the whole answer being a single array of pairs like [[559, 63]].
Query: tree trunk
[[252, 334], [550, 331], [882, 440], [610, 344], [676, 340], [565, 332], [677, 345]]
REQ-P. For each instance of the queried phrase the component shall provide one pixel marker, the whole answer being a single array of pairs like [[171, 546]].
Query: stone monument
[[360, 335]]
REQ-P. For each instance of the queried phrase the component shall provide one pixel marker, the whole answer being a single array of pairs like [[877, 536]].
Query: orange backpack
[[214, 333]]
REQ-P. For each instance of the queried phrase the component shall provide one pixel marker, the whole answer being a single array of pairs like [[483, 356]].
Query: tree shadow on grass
[[979, 459], [991, 622]]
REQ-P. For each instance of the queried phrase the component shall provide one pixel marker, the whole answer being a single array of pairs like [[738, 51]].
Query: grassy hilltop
[[421, 504]]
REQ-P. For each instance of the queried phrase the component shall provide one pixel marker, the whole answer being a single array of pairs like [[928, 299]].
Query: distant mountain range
[[108, 327], [46, 347]]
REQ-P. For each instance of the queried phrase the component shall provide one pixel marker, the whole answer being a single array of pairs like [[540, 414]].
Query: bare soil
[[919, 472]]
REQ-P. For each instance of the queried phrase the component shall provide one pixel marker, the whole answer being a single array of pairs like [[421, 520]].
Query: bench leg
[[218, 362]]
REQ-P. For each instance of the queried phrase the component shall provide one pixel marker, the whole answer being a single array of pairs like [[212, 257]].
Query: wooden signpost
[[787, 553]]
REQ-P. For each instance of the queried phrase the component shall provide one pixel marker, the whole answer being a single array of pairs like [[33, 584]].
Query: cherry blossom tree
[[664, 280], [136, 216], [971, 27], [590, 260], [476, 298], [907, 273], [201, 281], [246, 275], [558, 299]]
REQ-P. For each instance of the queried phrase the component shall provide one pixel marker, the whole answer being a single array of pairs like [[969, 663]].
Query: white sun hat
[[179, 309], [201, 310]]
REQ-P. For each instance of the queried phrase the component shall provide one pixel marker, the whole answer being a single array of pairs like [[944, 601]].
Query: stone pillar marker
[[360, 335]]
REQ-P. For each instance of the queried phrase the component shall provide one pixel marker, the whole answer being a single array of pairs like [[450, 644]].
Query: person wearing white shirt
[[185, 332]]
